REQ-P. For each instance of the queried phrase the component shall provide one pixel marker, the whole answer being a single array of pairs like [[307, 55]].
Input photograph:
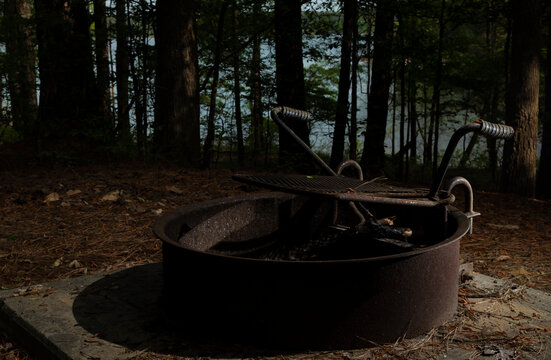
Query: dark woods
[[193, 82]]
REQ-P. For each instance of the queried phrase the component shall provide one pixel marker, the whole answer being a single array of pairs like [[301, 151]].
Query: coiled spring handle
[[485, 128], [297, 115]]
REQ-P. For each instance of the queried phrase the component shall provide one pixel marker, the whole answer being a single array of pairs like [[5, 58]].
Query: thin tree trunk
[[112, 91], [337, 151], [177, 81], [435, 118], [413, 103], [519, 155], [256, 96], [102, 60], [427, 146], [290, 80], [141, 123], [353, 131], [20, 65], [208, 145], [237, 87], [394, 81], [544, 174], [413, 118], [122, 67], [491, 143], [373, 155], [402, 95]]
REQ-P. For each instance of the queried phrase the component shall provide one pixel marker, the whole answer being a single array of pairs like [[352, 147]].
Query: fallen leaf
[[73, 192], [65, 204], [504, 226], [503, 257], [74, 264], [112, 196], [157, 211], [520, 271], [174, 189], [51, 197], [57, 262]]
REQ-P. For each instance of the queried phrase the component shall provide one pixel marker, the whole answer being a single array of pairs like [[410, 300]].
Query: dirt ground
[[69, 221]]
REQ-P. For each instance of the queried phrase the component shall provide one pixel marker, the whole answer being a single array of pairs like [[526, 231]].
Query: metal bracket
[[469, 212]]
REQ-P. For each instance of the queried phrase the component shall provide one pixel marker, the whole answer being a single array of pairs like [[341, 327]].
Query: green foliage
[[8, 135]]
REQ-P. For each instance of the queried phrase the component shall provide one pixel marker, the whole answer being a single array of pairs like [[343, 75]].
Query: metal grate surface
[[327, 185]]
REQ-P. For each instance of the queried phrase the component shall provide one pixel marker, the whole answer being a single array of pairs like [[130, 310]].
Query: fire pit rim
[[160, 225]]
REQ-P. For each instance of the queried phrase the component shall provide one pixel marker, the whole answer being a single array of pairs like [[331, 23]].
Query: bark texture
[[341, 118], [519, 155], [102, 59], [20, 65], [373, 155], [68, 94], [177, 81], [544, 174], [122, 66], [290, 78]]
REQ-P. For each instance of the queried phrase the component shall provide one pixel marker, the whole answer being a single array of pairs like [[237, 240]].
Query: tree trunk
[[519, 155], [353, 131], [102, 60], [68, 93], [413, 101], [337, 151], [427, 146], [394, 80], [256, 97], [20, 65], [237, 87], [403, 139], [122, 67], [544, 174], [207, 147], [373, 155], [413, 118], [177, 81], [436, 112], [141, 123], [290, 79]]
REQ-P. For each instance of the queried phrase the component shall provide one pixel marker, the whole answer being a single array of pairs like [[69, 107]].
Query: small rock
[[503, 258], [157, 211], [73, 192], [65, 204]]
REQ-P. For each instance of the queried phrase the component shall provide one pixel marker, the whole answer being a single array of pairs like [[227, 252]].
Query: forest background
[[193, 82]]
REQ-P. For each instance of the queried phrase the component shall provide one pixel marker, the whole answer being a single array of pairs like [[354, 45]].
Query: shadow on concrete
[[125, 308]]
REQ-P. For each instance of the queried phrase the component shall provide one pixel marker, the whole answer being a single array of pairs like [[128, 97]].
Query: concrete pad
[[118, 316]]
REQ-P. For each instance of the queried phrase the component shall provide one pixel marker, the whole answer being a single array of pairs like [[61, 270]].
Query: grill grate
[[328, 185]]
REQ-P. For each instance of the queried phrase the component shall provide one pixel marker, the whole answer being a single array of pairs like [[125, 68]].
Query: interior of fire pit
[[305, 228]]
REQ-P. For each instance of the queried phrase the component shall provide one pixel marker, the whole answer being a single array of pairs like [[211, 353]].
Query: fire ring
[[218, 281]]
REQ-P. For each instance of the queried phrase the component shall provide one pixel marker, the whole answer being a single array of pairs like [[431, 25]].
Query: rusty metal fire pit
[[301, 269], [339, 303]]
